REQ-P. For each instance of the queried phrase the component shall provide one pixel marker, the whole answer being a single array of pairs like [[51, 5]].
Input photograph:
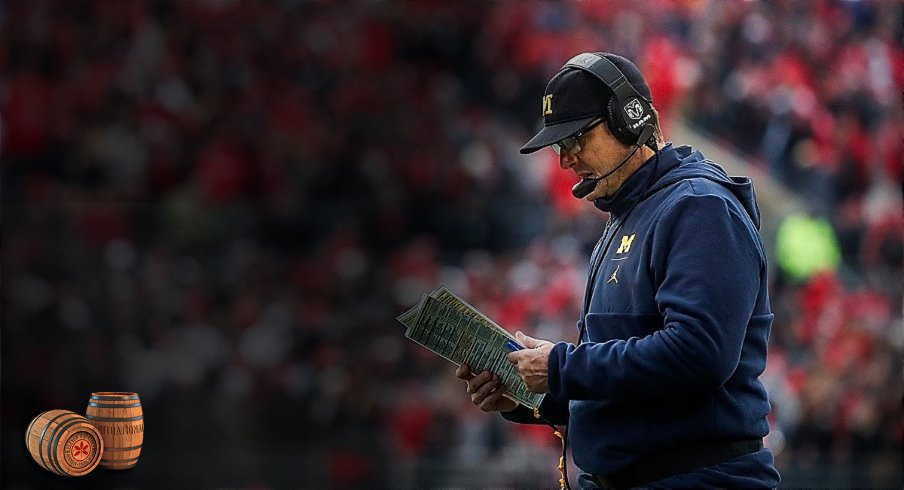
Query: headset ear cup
[[651, 142], [617, 123]]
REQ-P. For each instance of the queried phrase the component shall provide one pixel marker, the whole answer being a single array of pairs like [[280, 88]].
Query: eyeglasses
[[572, 144]]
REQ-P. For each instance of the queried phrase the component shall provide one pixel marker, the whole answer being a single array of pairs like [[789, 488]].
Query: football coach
[[661, 388]]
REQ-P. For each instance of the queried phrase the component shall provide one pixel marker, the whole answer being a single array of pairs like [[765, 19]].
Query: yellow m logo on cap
[[626, 242], [547, 105]]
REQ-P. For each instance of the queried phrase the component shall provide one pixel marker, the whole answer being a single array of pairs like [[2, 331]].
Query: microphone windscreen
[[583, 188]]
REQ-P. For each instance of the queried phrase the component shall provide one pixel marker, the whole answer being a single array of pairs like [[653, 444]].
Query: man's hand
[[532, 362], [486, 390]]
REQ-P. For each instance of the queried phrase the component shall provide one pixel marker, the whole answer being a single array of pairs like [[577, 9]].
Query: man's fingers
[[463, 372], [526, 340], [486, 389], [481, 379], [477, 381], [491, 402]]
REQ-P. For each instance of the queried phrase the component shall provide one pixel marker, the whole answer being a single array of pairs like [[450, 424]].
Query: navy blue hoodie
[[675, 334]]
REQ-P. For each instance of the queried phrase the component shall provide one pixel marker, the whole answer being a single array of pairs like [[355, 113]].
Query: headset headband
[[607, 72], [619, 109]]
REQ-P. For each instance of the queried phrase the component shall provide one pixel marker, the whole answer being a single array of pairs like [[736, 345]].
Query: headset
[[628, 112]]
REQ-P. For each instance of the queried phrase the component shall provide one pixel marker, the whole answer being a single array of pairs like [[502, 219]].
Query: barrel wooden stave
[[119, 419], [64, 443]]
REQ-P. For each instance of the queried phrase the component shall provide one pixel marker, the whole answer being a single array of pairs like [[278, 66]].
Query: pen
[[513, 346]]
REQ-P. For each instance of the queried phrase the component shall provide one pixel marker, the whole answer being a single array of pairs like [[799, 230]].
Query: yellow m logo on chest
[[626, 242]]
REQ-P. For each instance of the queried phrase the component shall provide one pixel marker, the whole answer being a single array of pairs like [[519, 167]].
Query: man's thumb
[[525, 340]]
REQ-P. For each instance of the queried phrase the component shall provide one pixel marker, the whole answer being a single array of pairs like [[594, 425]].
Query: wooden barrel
[[64, 443], [118, 417]]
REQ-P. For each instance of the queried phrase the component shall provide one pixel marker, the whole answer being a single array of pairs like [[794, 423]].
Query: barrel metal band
[[55, 461], [113, 398], [41, 439], [113, 405], [122, 448], [131, 460], [114, 419]]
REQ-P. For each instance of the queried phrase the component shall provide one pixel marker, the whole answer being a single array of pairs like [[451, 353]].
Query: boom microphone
[[583, 188]]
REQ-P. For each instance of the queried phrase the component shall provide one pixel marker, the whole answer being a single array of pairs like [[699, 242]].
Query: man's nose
[[567, 159]]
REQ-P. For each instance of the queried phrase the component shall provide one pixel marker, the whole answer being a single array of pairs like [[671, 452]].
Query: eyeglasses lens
[[569, 144]]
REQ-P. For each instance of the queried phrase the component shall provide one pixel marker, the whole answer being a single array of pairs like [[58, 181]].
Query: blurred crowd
[[223, 205]]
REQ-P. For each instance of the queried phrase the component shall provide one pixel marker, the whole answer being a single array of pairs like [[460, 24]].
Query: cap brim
[[555, 133]]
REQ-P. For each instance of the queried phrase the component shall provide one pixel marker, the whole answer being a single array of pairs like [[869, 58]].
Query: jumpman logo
[[613, 277]]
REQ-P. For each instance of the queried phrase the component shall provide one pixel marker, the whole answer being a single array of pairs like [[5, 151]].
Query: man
[[661, 389]]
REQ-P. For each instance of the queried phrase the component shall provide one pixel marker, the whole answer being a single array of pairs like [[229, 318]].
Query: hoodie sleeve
[[553, 410], [708, 266]]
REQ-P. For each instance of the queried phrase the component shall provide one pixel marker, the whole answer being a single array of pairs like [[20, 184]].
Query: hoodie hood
[[672, 165]]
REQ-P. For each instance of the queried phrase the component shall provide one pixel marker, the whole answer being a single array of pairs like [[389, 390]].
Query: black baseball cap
[[575, 97]]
